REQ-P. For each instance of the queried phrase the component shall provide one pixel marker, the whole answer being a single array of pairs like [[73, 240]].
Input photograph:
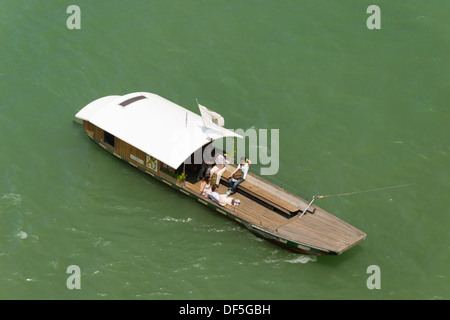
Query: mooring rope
[[379, 189], [370, 190]]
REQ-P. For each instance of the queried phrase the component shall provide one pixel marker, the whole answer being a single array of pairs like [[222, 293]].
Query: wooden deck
[[278, 212]]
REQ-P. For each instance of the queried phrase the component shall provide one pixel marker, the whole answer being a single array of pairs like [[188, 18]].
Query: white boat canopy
[[156, 126]]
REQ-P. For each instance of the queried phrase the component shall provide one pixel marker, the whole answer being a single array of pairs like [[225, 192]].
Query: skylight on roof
[[131, 100]]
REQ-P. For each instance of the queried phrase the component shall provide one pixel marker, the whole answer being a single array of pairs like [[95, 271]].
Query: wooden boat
[[157, 136]]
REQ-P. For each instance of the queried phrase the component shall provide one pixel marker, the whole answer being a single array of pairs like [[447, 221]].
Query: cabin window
[[131, 100], [109, 139]]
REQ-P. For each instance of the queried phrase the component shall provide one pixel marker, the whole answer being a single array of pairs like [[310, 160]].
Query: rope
[[378, 189], [384, 188]]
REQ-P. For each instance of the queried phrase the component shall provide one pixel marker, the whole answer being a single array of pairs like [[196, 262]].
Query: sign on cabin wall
[[132, 156], [151, 163]]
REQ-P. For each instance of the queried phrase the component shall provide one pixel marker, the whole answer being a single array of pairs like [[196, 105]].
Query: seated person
[[221, 199], [205, 186], [238, 175], [220, 165], [207, 161], [204, 170]]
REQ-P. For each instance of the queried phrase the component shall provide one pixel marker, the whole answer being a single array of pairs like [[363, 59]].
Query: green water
[[357, 109]]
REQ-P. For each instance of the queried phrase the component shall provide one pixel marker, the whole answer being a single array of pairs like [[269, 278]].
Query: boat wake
[[12, 199], [303, 259], [22, 235], [177, 220]]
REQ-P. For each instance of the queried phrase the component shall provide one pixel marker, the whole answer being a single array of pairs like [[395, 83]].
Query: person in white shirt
[[221, 199], [220, 166], [238, 175]]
